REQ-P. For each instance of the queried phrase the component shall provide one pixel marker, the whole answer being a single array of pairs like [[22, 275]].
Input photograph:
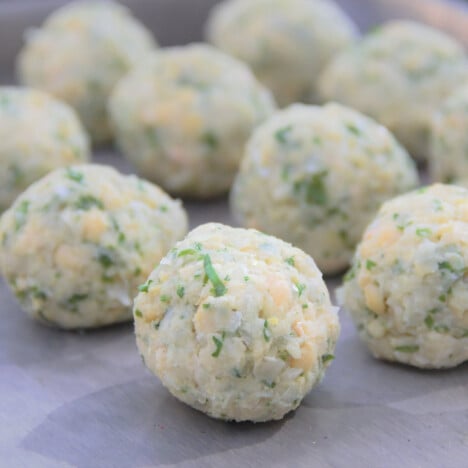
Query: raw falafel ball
[[77, 243], [448, 157], [236, 323], [37, 135], [315, 176], [79, 54], [286, 43], [399, 74], [183, 118], [408, 288]]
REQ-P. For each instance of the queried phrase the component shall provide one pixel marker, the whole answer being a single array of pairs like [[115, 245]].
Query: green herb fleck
[[137, 271], [138, 313], [164, 298], [185, 252], [206, 305], [218, 286], [313, 188], [21, 213], [180, 291], [370, 264], [290, 261], [219, 345], [163, 208], [353, 129], [429, 321], [246, 278], [210, 140], [266, 331], [407, 348], [327, 357], [86, 202], [423, 232], [300, 288], [447, 266], [305, 306], [281, 135], [105, 260], [74, 175], [441, 328], [269, 384], [442, 298], [145, 287], [76, 298]]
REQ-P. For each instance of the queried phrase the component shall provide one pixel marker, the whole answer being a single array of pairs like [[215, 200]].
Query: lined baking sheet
[[85, 399]]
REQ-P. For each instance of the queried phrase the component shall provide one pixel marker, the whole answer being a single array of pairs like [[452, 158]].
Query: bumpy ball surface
[[315, 176], [407, 290], [77, 243], [37, 134], [399, 75], [184, 117], [285, 42], [236, 324], [78, 55], [449, 138]]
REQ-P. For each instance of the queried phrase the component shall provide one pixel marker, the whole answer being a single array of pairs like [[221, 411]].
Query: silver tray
[[85, 400]]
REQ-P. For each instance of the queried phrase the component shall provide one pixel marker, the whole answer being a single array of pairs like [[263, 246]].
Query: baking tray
[[85, 400]]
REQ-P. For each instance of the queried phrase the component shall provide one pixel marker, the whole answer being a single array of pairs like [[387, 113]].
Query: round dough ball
[[184, 117], [315, 176], [79, 54], [287, 43], [37, 134], [236, 324], [408, 288], [399, 74], [449, 138], [77, 243]]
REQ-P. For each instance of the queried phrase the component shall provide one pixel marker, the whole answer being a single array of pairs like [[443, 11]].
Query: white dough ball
[[315, 176], [37, 135], [399, 74], [79, 54], [77, 243], [408, 288], [287, 43], [236, 323], [184, 116]]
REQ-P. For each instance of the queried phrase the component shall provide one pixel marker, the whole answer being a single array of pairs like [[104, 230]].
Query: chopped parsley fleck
[[20, 214], [86, 202], [164, 298], [185, 252], [441, 328], [246, 278], [210, 140], [447, 266], [290, 261], [407, 348], [423, 232], [266, 331], [305, 306], [180, 291], [138, 313], [370, 264], [206, 305], [327, 357], [219, 345], [442, 298], [76, 298], [137, 271], [313, 188], [353, 129], [145, 287], [281, 135], [269, 384], [219, 288], [300, 288], [74, 175], [429, 321], [163, 208], [105, 260]]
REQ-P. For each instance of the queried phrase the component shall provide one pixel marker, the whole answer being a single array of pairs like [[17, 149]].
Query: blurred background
[[179, 21]]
